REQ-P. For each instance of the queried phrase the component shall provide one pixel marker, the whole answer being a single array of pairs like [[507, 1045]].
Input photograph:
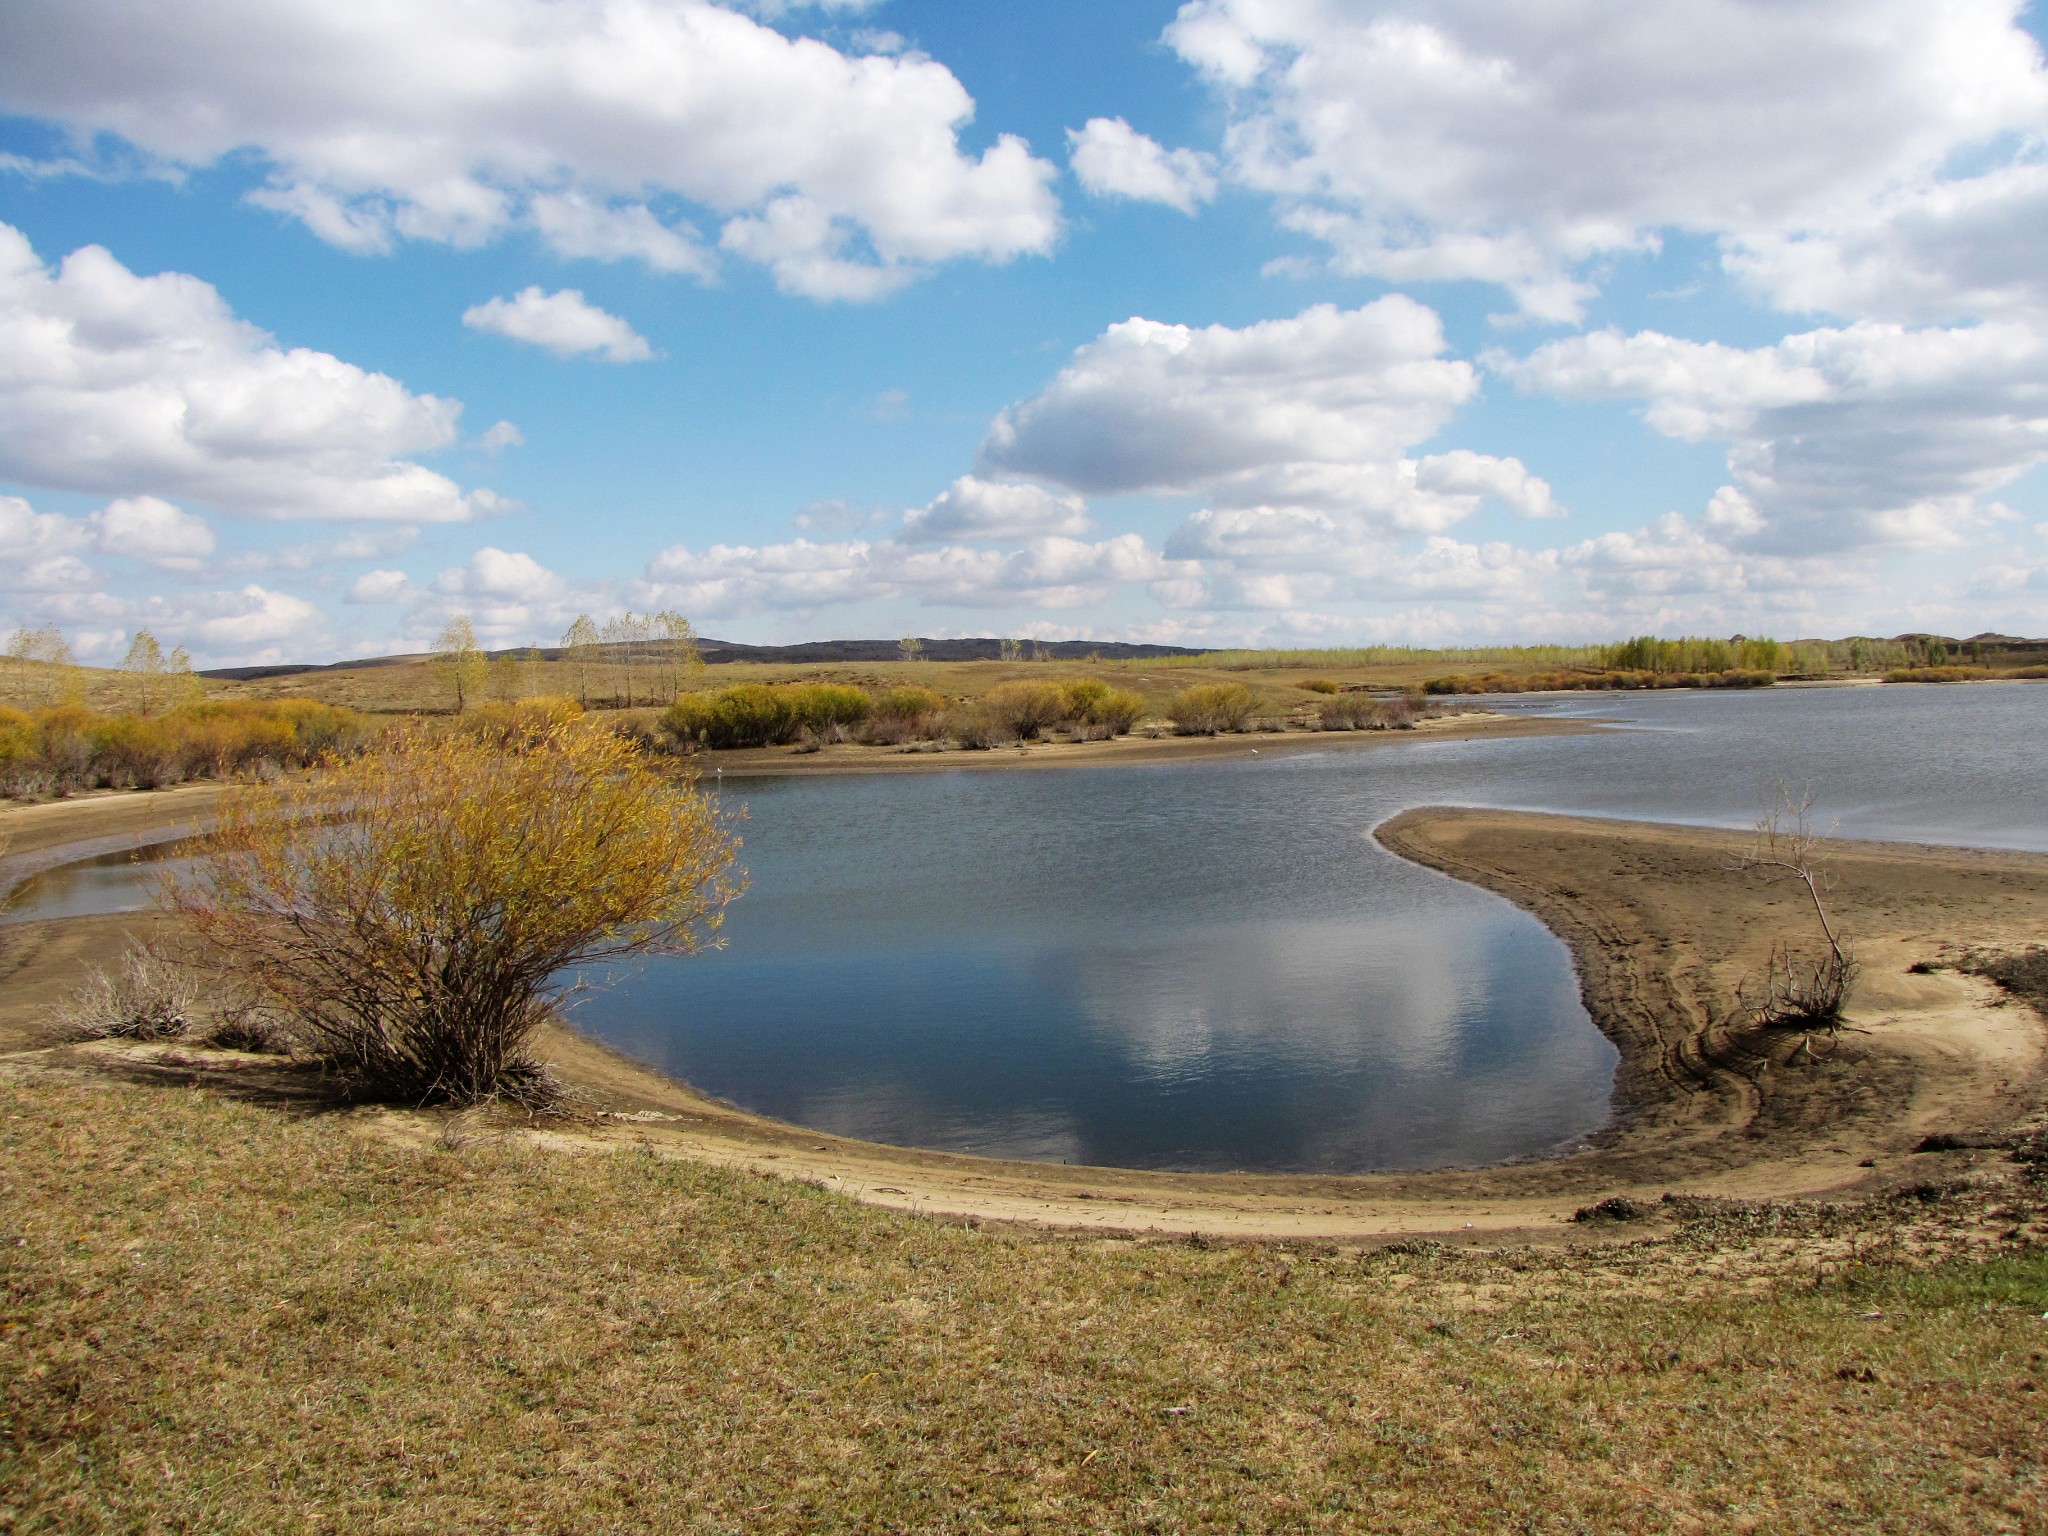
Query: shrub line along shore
[[1661, 929]]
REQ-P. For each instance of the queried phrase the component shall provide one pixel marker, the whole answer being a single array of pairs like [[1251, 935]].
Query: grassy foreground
[[219, 1317]]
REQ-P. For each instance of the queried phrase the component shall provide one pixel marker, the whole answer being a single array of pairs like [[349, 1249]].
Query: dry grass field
[[222, 1317], [416, 685]]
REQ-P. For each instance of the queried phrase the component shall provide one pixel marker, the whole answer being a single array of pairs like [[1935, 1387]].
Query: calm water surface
[[1211, 965]]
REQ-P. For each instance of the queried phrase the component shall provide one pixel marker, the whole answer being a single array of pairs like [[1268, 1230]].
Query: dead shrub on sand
[[1797, 991], [1362, 712], [408, 914], [147, 996]]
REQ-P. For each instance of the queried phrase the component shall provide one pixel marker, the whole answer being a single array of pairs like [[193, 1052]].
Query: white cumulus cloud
[[1053, 572], [563, 323], [253, 616], [42, 549], [1316, 411], [380, 587], [973, 508], [1516, 144], [152, 529], [1113, 159], [1837, 438], [583, 120], [150, 386], [506, 575]]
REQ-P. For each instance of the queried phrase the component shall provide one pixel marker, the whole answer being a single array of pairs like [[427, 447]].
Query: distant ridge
[[718, 652]]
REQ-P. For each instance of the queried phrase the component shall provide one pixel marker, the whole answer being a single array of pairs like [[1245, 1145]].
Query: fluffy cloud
[[151, 529], [1955, 249], [41, 549], [455, 120], [254, 616], [380, 587], [727, 580], [318, 554], [501, 575], [1315, 411], [1113, 159], [563, 323], [149, 386], [1838, 438], [972, 508], [1441, 139], [253, 624], [575, 226], [44, 546]]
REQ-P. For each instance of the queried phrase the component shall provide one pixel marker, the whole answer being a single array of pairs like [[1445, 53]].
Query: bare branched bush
[[1209, 709], [976, 727], [409, 914], [145, 997], [903, 714], [1095, 711], [251, 1030], [1797, 991], [1025, 710], [1362, 712]]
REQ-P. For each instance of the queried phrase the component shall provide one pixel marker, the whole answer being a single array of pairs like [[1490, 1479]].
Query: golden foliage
[[1209, 709], [410, 912], [68, 747]]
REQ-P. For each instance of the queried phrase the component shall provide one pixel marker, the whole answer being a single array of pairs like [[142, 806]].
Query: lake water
[[1212, 965]]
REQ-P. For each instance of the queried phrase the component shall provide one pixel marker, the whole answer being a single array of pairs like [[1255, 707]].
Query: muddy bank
[[1662, 930]]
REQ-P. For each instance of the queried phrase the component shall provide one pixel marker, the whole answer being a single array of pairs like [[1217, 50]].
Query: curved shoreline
[[1660, 930]]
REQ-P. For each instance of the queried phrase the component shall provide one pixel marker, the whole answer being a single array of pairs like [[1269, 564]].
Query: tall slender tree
[[49, 671], [581, 643], [679, 649], [144, 665], [462, 664]]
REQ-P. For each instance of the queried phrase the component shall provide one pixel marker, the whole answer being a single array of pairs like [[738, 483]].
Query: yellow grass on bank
[[221, 1318]]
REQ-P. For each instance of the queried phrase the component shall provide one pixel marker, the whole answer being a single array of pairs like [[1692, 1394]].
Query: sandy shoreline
[[777, 762], [1661, 931]]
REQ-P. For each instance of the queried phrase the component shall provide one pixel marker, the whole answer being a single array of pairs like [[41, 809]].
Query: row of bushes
[[1362, 712], [1963, 674], [758, 715], [1548, 682], [67, 747]]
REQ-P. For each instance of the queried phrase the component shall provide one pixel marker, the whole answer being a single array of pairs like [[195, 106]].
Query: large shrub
[[1209, 709], [750, 715], [976, 727], [828, 709], [1362, 712], [756, 715], [1025, 710], [520, 723], [69, 747], [21, 770], [1095, 709], [411, 911], [904, 714]]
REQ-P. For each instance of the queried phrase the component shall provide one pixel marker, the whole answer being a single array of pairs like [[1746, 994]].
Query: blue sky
[[1288, 322]]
